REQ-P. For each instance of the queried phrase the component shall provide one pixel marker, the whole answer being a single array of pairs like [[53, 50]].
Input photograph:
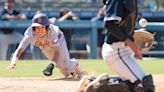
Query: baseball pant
[[120, 58]]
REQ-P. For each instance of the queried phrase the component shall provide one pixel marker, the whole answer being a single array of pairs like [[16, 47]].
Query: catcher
[[105, 83], [51, 41], [119, 47]]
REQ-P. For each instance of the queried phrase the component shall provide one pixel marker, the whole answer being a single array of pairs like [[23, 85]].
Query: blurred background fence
[[90, 29], [84, 31]]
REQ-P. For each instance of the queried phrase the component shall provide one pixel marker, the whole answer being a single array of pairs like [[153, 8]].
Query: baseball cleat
[[48, 70]]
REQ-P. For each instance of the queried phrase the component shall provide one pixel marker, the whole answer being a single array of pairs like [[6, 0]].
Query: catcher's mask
[[40, 20]]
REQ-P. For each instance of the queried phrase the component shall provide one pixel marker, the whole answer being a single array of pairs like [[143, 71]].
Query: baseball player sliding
[[50, 39]]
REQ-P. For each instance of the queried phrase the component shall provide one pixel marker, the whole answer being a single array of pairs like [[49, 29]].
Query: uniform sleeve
[[130, 5], [54, 36], [58, 32], [26, 40], [3, 14]]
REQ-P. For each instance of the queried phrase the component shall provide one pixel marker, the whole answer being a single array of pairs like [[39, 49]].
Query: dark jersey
[[3, 15], [116, 12]]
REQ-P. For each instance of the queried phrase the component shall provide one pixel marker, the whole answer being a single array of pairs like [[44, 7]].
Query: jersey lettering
[[44, 44]]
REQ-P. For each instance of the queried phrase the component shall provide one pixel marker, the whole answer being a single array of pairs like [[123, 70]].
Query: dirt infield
[[49, 84]]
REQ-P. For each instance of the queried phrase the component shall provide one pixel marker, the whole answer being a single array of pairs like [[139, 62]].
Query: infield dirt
[[51, 84]]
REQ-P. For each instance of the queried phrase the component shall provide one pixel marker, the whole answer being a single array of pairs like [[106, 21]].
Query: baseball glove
[[144, 39]]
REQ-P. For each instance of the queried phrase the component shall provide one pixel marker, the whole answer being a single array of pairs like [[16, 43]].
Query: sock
[[53, 63]]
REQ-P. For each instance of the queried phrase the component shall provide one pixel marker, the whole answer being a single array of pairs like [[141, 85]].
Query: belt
[[118, 44]]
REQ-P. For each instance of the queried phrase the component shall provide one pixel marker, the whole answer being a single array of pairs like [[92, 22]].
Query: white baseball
[[143, 22]]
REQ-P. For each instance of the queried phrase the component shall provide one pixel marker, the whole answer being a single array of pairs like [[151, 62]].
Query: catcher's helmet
[[40, 20]]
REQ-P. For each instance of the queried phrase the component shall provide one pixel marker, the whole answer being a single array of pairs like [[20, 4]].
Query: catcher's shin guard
[[138, 87], [48, 70], [134, 87], [148, 84]]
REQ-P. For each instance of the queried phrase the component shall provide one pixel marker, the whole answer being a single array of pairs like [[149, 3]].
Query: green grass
[[33, 68]]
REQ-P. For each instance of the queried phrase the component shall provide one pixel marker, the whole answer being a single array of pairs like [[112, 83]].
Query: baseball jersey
[[5, 13], [3, 16], [47, 43], [117, 11]]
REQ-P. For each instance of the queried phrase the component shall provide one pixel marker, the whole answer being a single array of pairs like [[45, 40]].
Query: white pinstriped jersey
[[47, 43]]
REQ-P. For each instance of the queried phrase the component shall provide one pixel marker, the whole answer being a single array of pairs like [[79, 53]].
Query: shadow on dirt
[[65, 79]]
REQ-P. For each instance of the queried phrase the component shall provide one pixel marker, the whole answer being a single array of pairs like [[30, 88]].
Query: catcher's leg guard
[[148, 84], [134, 87], [48, 70], [138, 87]]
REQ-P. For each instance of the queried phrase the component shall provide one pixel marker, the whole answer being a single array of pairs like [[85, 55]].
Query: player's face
[[10, 4], [40, 31]]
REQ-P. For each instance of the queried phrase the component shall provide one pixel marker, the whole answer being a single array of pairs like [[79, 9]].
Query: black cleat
[[48, 70]]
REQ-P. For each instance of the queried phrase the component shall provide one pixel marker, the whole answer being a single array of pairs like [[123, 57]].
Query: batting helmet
[[40, 20]]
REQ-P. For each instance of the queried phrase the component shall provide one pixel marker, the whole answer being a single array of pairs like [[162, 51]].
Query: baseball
[[143, 22]]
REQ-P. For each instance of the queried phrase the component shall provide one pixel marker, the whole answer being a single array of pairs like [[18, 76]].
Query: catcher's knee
[[148, 84]]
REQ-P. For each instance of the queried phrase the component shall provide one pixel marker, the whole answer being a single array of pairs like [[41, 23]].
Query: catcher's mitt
[[144, 39]]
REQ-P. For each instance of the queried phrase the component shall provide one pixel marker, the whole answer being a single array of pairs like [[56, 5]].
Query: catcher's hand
[[144, 39], [12, 66]]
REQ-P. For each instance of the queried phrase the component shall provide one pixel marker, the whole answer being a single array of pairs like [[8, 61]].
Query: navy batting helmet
[[40, 20]]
